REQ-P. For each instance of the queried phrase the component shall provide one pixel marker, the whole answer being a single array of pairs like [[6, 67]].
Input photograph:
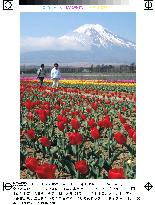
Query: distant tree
[[91, 68], [97, 68], [110, 68], [102, 68], [132, 67]]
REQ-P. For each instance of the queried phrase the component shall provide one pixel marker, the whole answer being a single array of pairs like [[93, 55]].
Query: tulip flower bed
[[83, 129]]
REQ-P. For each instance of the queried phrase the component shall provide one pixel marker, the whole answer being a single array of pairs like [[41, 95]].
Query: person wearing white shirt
[[55, 75]]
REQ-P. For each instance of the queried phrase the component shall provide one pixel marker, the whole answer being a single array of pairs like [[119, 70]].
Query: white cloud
[[49, 43]]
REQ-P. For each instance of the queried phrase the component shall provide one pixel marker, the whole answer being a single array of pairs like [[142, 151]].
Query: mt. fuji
[[89, 43], [94, 35]]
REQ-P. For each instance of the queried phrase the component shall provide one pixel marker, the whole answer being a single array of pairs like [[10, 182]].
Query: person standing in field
[[55, 75], [41, 74]]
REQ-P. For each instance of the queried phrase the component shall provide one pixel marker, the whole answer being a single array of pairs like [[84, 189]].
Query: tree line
[[89, 69]]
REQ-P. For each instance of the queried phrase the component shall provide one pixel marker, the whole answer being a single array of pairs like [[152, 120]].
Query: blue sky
[[59, 23]]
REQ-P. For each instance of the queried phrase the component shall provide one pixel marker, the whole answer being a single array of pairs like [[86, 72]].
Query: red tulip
[[61, 125], [61, 102], [134, 137], [59, 117], [134, 108], [124, 109], [88, 110], [95, 133], [46, 171], [47, 105], [75, 138], [76, 112], [105, 123], [22, 132], [91, 123], [42, 115], [45, 141], [75, 123], [94, 105], [28, 104], [134, 98], [67, 110], [121, 118], [131, 132], [31, 163], [63, 112], [82, 166], [30, 116], [107, 102], [130, 97], [120, 138], [105, 111], [31, 134], [127, 126], [83, 116], [116, 173], [57, 107], [64, 120]]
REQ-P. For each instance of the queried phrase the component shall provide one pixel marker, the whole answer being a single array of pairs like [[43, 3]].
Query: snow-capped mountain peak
[[95, 35], [88, 27]]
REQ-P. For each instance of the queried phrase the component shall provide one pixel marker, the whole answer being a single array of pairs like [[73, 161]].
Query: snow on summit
[[88, 27], [90, 35]]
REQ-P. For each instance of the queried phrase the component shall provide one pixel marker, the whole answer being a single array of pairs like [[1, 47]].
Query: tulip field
[[85, 129]]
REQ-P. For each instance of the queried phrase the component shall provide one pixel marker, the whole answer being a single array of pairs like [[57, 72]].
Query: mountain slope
[[90, 35], [98, 44]]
